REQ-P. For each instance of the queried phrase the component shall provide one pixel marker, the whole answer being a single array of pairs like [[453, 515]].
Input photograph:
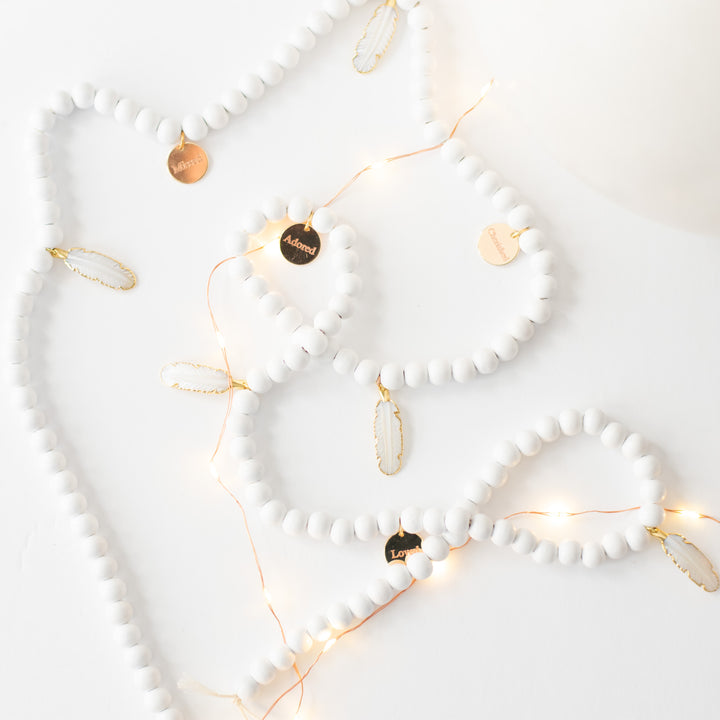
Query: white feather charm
[[96, 266], [689, 558], [376, 38], [196, 378], [388, 434]]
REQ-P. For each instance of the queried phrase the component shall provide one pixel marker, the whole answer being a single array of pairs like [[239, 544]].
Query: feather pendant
[[195, 378], [691, 560], [376, 38], [388, 436], [96, 266]]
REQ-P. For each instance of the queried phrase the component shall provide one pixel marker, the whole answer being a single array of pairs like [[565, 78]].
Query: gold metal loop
[[384, 392], [518, 233], [657, 532]]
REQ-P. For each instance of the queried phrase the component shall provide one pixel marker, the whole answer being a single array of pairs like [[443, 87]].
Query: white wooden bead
[[477, 490], [44, 189], [277, 370], [404, 5], [47, 212], [318, 525], [647, 466], [271, 304], [50, 235], [528, 442], [170, 714], [342, 237], [524, 542], [592, 554], [255, 287], [487, 183], [319, 22], [310, 339], [245, 402], [439, 371], [453, 151], [345, 361], [113, 590], [105, 567], [299, 209], [594, 421], [416, 374], [420, 18], [158, 700], [434, 521], [272, 512], [539, 310], [367, 372], [44, 440], [366, 527], [463, 369], [615, 545], [522, 328], [18, 351], [503, 532], [64, 482], [505, 199], [361, 606], [613, 436], [126, 111], [569, 552], [83, 95], [422, 87], [507, 453], [653, 490], [148, 678], [303, 39], [282, 658], [295, 522], [543, 261], [470, 167], [147, 122], [274, 209], [270, 72], [521, 216], [457, 520], [251, 86], [545, 552], [242, 448], [337, 9], [239, 268], [328, 322], [299, 642], [24, 398], [262, 671], [481, 527], [342, 305], [259, 494], [633, 447], [548, 428], [253, 222], [324, 220], [194, 127], [532, 241], [105, 101], [18, 375], [411, 519], [391, 376], [250, 471], [234, 101], [127, 635], [571, 422], [286, 56], [342, 531], [436, 548], [215, 116], [23, 307], [138, 656], [651, 514], [380, 591], [168, 131], [96, 547], [289, 319], [435, 132], [419, 565], [295, 357], [247, 687], [398, 576], [543, 286], [348, 284], [339, 616], [388, 522], [120, 613], [240, 424], [85, 525], [505, 347], [53, 461], [637, 537], [485, 360], [494, 474], [456, 539], [424, 110]]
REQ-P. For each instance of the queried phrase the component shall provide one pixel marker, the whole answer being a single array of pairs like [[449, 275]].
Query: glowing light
[[324, 635], [486, 88], [329, 644], [690, 514], [220, 339], [558, 513], [268, 597], [214, 474], [378, 164]]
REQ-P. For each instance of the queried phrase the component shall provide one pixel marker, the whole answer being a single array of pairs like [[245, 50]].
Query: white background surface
[[634, 332]]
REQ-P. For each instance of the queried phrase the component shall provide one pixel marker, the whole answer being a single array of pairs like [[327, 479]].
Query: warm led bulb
[[329, 644], [214, 474], [220, 339], [690, 514], [268, 597]]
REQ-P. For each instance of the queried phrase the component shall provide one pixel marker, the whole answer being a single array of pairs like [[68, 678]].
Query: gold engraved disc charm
[[499, 244], [400, 545], [300, 244], [187, 162]]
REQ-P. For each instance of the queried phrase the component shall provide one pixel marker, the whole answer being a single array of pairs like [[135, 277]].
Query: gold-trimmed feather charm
[[97, 267], [194, 377], [388, 433], [376, 37], [688, 558]]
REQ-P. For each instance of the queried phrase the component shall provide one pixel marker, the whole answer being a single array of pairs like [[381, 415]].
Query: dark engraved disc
[[300, 244], [400, 545]]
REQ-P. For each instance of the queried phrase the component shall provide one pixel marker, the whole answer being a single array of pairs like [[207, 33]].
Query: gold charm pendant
[[97, 267], [688, 558], [499, 244], [388, 433], [400, 545], [300, 244], [187, 162], [376, 37]]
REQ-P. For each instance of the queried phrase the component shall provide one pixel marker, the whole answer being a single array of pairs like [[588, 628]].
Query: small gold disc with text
[[499, 244], [187, 162], [400, 545], [300, 244]]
